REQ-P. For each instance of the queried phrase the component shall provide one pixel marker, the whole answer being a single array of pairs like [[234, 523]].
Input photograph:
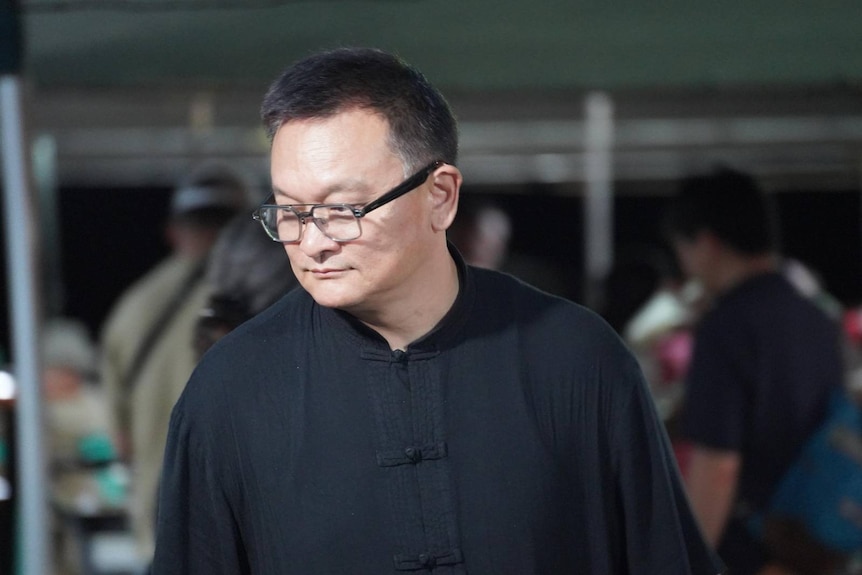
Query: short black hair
[[421, 125], [730, 204]]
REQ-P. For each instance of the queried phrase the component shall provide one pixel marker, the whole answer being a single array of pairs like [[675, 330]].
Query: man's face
[[346, 159], [696, 256]]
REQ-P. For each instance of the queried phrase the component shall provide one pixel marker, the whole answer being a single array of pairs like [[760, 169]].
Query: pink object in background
[[673, 351], [853, 324]]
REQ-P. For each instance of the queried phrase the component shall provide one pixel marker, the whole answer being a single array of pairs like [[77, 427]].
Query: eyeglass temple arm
[[399, 191]]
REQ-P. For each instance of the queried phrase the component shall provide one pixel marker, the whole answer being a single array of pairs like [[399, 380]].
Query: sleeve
[[661, 533], [715, 399], [197, 531]]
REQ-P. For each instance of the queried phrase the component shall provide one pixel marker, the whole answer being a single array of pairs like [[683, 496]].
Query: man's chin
[[332, 298]]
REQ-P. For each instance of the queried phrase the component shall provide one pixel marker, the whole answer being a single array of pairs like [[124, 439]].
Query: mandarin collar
[[439, 338]]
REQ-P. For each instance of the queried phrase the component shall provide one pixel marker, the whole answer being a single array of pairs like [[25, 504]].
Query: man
[[403, 412], [765, 360], [147, 339]]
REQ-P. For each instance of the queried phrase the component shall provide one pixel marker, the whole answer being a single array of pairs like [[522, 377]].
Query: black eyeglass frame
[[358, 212]]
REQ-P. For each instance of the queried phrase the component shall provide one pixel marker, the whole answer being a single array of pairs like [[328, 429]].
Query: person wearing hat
[[146, 341]]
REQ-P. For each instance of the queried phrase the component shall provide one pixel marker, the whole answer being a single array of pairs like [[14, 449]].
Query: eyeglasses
[[338, 222]]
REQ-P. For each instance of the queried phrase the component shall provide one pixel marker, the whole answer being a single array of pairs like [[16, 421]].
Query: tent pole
[[599, 208], [24, 301]]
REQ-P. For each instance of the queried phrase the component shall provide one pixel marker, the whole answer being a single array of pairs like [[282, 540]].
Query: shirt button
[[413, 454], [426, 560]]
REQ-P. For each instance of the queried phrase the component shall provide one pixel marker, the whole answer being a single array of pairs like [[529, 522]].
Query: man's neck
[[408, 320], [735, 269]]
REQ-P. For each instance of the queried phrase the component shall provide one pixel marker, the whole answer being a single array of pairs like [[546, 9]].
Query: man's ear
[[444, 196]]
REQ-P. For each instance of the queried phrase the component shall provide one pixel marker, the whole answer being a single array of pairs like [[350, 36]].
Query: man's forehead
[[345, 134], [350, 114]]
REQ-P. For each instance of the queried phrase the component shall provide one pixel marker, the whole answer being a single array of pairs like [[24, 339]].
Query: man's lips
[[326, 272]]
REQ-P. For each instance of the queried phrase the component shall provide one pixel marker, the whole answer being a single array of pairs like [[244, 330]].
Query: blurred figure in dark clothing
[[246, 272], [765, 362]]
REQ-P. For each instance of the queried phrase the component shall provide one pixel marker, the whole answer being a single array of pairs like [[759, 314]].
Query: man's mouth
[[326, 272]]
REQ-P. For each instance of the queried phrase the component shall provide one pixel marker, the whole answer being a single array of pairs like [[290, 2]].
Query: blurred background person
[[766, 360], [84, 484], [77, 408], [482, 232], [247, 272], [147, 339]]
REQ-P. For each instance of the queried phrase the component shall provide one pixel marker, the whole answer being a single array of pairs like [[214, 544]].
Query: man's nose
[[314, 241]]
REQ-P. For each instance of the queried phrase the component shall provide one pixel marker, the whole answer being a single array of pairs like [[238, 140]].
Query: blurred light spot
[[7, 386]]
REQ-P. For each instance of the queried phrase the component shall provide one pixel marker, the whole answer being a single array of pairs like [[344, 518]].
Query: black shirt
[[765, 363], [518, 437]]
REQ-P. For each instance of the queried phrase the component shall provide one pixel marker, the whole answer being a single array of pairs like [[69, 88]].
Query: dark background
[[110, 237]]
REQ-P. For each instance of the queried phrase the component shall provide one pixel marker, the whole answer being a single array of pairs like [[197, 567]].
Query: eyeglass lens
[[285, 225]]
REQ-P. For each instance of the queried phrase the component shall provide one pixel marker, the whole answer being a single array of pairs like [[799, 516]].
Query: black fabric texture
[[518, 437]]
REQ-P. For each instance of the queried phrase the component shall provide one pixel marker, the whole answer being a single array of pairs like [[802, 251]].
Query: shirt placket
[[413, 454]]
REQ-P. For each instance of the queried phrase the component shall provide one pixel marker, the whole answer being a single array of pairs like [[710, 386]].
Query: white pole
[[22, 254], [45, 186], [598, 215]]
